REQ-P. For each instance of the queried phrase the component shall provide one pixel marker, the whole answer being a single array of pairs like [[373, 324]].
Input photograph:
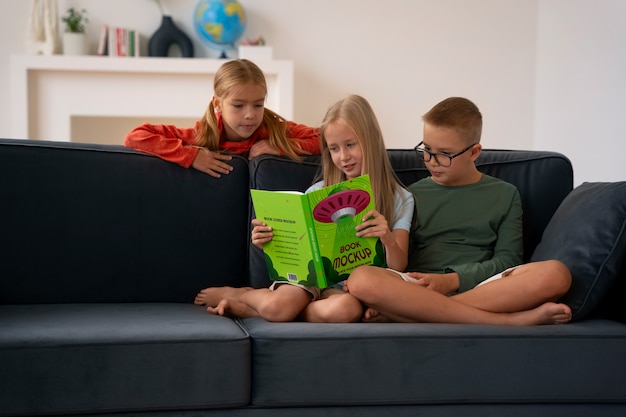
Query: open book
[[314, 241]]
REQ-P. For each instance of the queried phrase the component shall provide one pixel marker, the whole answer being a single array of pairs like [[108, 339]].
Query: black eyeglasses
[[442, 159]]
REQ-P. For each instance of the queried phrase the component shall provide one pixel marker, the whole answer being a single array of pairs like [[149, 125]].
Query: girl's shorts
[[314, 292]]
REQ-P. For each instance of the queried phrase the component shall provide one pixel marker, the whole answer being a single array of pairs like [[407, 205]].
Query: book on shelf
[[103, 47], [315, 240], [118, 41]]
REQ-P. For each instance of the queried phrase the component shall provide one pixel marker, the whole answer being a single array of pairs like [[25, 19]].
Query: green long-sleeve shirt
[[474, 230]]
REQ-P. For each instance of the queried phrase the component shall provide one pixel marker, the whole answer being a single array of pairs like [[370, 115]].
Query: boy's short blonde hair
[[457, 113]]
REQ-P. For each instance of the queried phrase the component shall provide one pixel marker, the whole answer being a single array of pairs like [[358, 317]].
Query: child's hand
[[442, 283], [211, 163], [261, 233], [261, 147], [375, 225], [395, 243]]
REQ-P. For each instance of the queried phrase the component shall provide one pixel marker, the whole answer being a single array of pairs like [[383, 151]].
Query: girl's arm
[[165, 141], [396, 242], [397, 252], [307, 137]]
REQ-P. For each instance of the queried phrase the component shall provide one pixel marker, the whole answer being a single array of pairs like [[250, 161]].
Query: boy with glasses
[[466, 242]]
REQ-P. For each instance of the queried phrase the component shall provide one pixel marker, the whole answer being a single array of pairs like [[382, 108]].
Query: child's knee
[[282, 308], [276, 312], [361, 281], [357, 278], [562, 276], [556, 278], [349, 310]]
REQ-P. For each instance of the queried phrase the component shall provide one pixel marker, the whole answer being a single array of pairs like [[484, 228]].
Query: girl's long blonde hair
[[233, 74], [355, 112]]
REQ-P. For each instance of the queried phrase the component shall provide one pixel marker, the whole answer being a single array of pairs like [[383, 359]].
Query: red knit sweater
[[176, 144]]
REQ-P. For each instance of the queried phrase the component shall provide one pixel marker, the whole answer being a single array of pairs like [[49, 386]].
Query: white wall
[[581, 85], [547, 74]]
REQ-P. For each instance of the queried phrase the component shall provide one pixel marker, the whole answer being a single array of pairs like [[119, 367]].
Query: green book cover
[[314, 241]]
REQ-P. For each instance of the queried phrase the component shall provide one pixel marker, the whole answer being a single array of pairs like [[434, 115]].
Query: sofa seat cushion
[[588, 234], [306, 364], [92, 358]]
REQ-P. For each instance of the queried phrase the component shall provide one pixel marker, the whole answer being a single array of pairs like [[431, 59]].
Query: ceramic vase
[[169, 34], [43, 31], [75, 43]]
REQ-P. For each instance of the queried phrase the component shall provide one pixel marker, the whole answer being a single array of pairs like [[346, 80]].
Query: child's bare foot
[[232, 308], [213, 295], [547, 313], [373, 316]]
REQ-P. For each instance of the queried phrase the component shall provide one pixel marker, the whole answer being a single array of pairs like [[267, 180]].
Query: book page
[[290, 255]]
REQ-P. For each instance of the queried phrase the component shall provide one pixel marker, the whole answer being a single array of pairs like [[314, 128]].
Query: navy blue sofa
[[104, 249]]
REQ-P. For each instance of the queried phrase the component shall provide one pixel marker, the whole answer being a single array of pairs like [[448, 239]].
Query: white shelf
[[47, 91], [139, 64]]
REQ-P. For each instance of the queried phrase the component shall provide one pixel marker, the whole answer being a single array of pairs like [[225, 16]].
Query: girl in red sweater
[[236, 122]]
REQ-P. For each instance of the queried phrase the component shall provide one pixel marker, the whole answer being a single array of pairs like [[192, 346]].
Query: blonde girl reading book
[[352, 145], [236, 122]]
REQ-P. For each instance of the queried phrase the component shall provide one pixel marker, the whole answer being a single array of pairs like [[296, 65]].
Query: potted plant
[[74, 37]]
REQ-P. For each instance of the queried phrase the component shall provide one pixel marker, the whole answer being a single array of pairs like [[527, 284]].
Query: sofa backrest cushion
[[542, 178], [97, 223], [588, 234]]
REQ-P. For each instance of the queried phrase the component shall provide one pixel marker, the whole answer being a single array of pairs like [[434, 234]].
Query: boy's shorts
[[502, 274]]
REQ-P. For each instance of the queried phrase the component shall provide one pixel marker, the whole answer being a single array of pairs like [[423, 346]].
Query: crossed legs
[[284, 303], [525, 297], [528, 286]]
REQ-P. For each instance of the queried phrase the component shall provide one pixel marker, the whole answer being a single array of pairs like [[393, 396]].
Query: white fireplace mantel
[[47, 92]]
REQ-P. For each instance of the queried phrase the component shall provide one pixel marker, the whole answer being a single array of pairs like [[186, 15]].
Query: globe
[[219, 23]]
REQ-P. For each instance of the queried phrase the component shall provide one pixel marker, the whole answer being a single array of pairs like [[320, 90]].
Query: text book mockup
[[315, 240]]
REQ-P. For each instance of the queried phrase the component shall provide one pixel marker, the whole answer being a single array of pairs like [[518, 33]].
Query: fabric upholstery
[[588, 234], [85, 358], [351, 364], [114, 214]]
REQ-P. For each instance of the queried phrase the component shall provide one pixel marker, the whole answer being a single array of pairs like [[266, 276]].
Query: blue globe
[[219, 23]]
